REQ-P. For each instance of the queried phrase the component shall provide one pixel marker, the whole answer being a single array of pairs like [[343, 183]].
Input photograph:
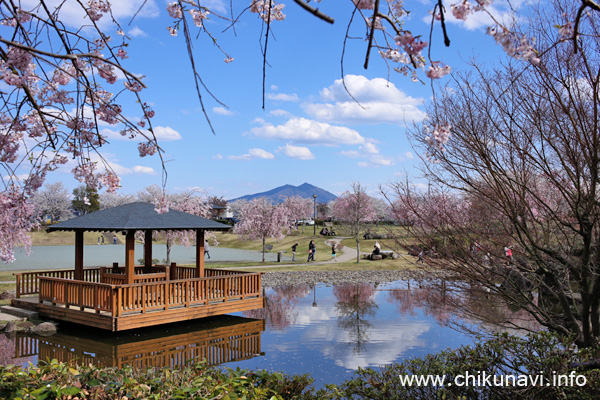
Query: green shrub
[[54, 380], [536, 356]]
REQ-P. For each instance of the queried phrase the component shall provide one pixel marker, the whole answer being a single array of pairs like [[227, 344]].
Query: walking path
[[348, 254]]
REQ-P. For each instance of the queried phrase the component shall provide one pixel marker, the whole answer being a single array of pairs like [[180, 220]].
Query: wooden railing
[[29, 282], [148, 296], [91, 295]]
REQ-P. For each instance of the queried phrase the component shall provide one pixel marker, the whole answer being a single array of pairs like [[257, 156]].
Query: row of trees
[[516, 151]]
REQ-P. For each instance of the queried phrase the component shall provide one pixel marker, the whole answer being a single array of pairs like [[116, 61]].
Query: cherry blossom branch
[[371, 33], [315, 11], [72, 57], [264, 69], [443, 23]]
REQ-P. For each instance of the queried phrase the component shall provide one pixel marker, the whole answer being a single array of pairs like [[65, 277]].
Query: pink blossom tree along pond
[[355, 207], [260, 220]]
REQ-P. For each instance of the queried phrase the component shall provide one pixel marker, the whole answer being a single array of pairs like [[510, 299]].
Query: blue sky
[[310, 131]]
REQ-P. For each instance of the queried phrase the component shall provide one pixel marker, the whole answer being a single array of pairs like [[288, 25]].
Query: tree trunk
[[169, 244], [357, 248], [263, 253]]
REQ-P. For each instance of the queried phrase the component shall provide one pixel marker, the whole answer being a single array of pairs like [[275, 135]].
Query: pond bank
[[294, 278]]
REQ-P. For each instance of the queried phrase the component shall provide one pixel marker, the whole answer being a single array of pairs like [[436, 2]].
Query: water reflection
[[218, 340], [459, 304], [280, 306], [355, 304]]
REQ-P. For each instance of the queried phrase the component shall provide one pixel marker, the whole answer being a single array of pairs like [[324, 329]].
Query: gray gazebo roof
[[136, 216]]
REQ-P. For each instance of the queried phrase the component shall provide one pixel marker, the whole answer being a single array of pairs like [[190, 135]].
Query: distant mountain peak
[[278, 195]]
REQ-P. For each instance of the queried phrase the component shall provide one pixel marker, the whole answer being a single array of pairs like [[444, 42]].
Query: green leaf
[[70, 391]]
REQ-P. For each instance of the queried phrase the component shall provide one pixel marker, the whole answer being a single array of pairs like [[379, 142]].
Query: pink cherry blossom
[[199, 16], [364, 4], [461, 10], [97, 8], [147, 149], [268, 10], [435, 71], [134, 86], [175, 10], [122, 54]]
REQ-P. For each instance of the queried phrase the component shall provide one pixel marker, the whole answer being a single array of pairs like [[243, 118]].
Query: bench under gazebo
[[132, 296]]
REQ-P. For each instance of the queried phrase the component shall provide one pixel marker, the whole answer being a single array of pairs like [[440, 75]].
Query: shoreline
[[272, 279]]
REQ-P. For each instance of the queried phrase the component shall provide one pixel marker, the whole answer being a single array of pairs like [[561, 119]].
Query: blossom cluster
[[515, 46], [439, 136], [436, 71], [268, 10]]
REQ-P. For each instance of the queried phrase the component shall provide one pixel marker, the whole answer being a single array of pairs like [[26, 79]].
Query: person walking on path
[[333, 253], [312, 249], [421, 257], [206, 250], [294, 246]]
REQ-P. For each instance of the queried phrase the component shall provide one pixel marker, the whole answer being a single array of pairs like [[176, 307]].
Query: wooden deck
[[218, 342], [156, 299]]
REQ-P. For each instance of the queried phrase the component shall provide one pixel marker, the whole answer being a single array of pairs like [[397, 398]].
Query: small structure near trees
[[133, 296]]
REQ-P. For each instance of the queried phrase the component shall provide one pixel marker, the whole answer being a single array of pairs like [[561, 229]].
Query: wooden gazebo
[[130, 296]]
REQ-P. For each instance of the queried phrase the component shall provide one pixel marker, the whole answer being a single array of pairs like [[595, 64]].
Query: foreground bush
[[535, 357], [54, 380], [539, 366]]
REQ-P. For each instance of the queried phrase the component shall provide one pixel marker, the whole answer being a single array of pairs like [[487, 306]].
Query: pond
[[53, 257], [325, 331]]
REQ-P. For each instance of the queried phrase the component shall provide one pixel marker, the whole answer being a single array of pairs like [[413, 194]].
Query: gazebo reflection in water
[[217, 340], [126, 297]]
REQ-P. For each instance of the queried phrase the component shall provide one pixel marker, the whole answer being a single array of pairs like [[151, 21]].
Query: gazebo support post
[[199, 253], [129, 256], [78, 255], [147, 250]]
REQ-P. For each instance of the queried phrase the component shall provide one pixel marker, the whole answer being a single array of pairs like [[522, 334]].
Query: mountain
[[305, 190]]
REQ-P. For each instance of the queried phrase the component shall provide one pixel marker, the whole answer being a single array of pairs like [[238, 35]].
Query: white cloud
[[253, 154], [350, 153], [139, 169], [74, 15], [19, 177], [378, 160], [136, 32], [409, 155], [298, 152], [217, 157], [503, 12], [280, 113], [282, 97], [302, 130], [369, 148], [222, 111], [166, 134], [379, 101]]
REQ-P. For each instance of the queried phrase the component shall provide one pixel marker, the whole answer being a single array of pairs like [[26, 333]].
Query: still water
[[63, 257], [325, 331]]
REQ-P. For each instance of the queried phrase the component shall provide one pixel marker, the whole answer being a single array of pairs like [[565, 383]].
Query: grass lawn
[[43, 238]]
